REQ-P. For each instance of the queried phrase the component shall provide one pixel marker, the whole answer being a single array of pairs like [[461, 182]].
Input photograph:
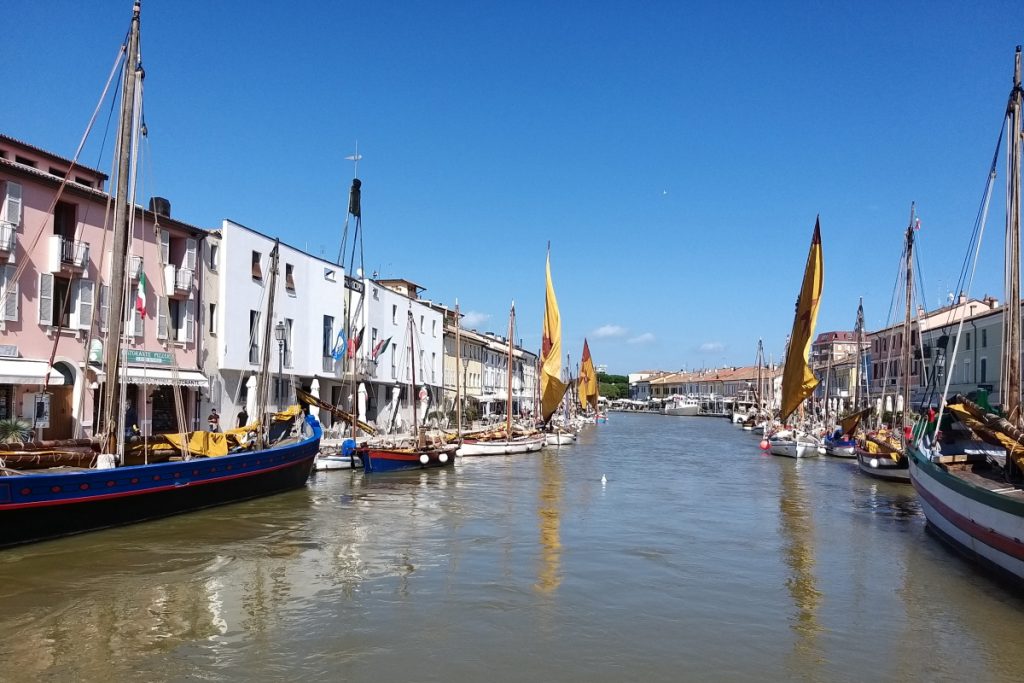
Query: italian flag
[[140, 297]]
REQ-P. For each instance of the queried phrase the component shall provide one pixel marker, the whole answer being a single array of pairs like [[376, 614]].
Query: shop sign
[[8, 351], [150, 357]]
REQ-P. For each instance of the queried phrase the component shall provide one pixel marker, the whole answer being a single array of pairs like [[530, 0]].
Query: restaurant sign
[[149, 357]]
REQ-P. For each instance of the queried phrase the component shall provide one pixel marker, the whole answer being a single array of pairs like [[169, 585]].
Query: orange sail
[[798, 382], [552, 388], [588, 380]]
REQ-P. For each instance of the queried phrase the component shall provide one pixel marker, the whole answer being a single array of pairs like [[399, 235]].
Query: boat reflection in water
[[549, 511], [798, 536]]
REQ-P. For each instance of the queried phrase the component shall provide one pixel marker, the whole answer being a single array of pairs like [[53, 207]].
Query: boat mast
[[458, 374], [263, 383], [1011, 317], [906, 327], [508, 410], [132, 74], [859, 337], [412, 358]]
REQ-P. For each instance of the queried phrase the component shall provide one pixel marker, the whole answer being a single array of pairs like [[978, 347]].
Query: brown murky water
[[699, 559]]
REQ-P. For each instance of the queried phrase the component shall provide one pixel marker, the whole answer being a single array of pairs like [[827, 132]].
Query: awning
[[21, 371], [186, 378]]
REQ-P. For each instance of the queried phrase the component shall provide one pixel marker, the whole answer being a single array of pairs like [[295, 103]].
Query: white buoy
[[424, 458], [443, 458], [604, 481]]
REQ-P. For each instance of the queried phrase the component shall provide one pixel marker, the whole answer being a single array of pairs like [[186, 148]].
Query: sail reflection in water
[[798, 535], [549, 516]]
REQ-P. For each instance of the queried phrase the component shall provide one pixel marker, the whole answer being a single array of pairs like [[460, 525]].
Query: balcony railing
[[71, 253], [7, 237], [254, 353], [183, 280], [134, 267]]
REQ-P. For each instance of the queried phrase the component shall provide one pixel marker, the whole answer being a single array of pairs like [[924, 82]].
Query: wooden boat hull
[[497, 447], [384, 460], [35, 507], [983, 524], [880, 466]]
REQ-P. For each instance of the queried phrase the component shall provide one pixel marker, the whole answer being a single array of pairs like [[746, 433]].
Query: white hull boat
[[503, 447], [560, 439]]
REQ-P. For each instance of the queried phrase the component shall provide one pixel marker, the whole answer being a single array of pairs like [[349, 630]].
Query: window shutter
[[46, 298], [190, 320], [104, 307], [190, 254], [85, 290], [11, 293], [161, 324], [140, 322], [12, 204], [165, 247]]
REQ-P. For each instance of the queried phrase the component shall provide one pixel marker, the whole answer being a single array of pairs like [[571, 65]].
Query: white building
[[309, 311], [401, 331]]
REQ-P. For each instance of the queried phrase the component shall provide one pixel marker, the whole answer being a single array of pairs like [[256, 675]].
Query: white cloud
[[645, 338], [474, 319], [609, 331], [711, 347]]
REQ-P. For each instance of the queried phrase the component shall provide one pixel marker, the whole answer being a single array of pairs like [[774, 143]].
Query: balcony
[[134, 267], [177, 281], [66, 254], [7, 231]]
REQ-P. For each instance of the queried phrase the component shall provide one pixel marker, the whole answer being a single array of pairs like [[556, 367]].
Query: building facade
[[54, 269]]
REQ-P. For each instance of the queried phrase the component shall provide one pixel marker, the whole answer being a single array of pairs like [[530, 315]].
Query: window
[[328, 335], [214, 257], [289, 278], [10, 211], [376, 294], [984, 343], [181, 317], [254, 345], [64, 220], [394, 368], [433, 327], [433, 367], [257, 272], [394, 314], [967, 340], [288, 324], [57, 172], [421, 324], [83, 181], [62, 302], [329, 275], [24, 161], [983, 365], [9, 293], [967, 370], [211, 323]]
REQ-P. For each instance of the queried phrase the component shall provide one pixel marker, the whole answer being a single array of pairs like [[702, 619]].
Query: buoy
[[604, 479], [443, 457], [424, 458], [764, 444]]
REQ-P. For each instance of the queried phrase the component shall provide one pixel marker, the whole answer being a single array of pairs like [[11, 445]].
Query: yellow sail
[[588, 380], [552, 388], [797, 379]]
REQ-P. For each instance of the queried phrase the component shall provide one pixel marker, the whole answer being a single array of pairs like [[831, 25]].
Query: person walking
[[213, 419], [243, 418]]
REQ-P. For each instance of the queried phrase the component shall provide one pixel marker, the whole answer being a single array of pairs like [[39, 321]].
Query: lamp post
[[279, 334]]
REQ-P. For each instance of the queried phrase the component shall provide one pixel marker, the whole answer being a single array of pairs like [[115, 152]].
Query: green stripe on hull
[[976, 493]]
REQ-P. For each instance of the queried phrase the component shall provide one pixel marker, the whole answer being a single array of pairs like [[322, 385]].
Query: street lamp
[[279, 333]]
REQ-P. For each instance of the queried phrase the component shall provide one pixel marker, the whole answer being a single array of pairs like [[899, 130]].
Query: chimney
[[993, 303], [160, 206], [962, 299], [920, 311]]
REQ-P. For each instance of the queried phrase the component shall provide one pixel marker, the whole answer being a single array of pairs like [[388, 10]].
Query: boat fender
[[443, 457], [106, 461], [424, 458], [764, 444], [348, 446]]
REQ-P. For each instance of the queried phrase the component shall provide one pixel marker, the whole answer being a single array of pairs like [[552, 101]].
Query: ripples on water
[[699, 558]]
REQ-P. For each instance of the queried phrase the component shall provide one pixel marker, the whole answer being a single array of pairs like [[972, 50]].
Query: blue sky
[[674, 155]]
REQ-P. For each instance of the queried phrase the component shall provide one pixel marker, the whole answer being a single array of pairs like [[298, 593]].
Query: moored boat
[[381, 459]]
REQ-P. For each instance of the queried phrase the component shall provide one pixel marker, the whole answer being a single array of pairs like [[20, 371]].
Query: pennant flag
[[798, 381], [380, 348], [588, 380], [339, 346], [140, 296], [552, 388]]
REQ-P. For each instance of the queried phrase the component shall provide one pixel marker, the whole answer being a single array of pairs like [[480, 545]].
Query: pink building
[[54, 264]]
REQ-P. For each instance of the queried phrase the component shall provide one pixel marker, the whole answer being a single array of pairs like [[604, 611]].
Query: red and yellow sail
[[587, 389], [798, 381], [552, 388]]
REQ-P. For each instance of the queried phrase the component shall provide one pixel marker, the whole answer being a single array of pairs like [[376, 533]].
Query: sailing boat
[[880, 455], [552, 388], [798, 382], [841, 443], [44, 504], [504, 441], [967, 470], [378, 457]]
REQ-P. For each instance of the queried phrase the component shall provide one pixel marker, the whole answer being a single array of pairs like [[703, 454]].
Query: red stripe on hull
[[989, 537]]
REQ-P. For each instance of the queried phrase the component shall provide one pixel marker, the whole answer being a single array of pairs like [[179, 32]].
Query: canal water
[[656, 549]]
